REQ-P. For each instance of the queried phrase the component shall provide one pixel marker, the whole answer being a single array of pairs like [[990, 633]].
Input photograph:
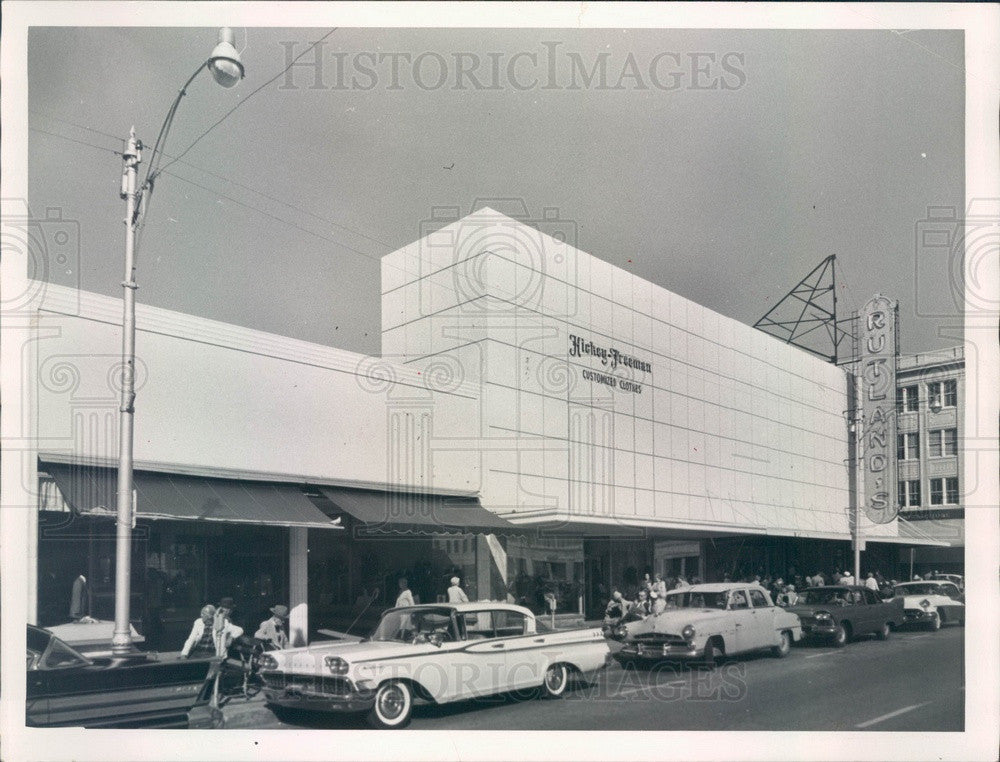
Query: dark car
[[65, 688], [841, 612]]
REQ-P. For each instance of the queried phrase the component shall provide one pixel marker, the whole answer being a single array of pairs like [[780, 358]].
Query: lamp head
[[224, 63]]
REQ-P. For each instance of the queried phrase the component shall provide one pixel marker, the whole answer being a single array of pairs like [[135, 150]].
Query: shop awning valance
[[91, 491], [399, 512]]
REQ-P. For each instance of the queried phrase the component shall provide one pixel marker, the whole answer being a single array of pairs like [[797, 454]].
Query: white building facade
[[538, 420]]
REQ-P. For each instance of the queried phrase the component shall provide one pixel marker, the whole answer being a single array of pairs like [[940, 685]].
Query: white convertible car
[[931, 603], [432, 653], [705, 622]]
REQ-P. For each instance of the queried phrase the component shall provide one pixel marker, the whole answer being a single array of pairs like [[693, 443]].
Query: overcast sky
[[722, 165]]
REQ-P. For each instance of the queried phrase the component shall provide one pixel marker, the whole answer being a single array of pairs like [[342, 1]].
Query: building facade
[[931, 395], [538, 422]]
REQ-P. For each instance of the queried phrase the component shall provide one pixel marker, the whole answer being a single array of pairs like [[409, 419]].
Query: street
[[911, 682]]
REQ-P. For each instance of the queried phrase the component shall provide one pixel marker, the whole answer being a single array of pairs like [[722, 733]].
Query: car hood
[[311, 657], [672, 621]]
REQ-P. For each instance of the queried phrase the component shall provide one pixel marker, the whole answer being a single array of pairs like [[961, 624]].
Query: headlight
[[336, 665], [620, 632], [688, 633], [925, 603], [267, 662], [823, 615]]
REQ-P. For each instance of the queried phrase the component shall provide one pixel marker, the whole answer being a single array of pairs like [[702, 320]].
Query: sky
[[722, 165]]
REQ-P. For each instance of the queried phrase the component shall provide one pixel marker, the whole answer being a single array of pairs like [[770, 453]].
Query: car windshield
[[415, 625], [697, 600], [59, 655], [918, 588], [823, 595]]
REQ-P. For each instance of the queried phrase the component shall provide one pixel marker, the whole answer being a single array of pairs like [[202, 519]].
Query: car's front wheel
[[781, 650], [393, 706], [840, 636], [713, 654], [555, 681]]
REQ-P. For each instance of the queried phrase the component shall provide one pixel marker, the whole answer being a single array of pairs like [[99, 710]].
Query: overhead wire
[[251, 95], [251, 207]]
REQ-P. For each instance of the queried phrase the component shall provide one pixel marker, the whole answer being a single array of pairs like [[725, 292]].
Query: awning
[[386, 512], [91, 491]]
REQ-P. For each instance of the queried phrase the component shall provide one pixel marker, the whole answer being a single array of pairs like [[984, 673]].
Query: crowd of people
[[214, 631]]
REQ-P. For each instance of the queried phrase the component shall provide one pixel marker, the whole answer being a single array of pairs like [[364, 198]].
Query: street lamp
[[227, 69]]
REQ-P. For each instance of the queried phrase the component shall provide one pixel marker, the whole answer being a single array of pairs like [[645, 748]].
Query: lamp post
[[227, 69]]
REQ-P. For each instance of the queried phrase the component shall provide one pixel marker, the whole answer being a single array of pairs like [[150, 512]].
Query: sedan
[[931, 603], [432, 654], [705, 622], [840, 612]]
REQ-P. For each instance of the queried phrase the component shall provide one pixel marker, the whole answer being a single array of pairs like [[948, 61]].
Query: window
[[942, 393], [738, 600], [907, 399], [908, 446], [909, 493], [951, 490], [758, 599], [509, 624], [944, 491], [942, 442]]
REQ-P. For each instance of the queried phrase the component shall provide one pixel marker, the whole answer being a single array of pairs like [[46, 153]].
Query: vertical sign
[[878, 408]]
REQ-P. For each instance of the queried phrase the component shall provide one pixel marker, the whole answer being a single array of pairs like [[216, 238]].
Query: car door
[[481, 666], [953, 606], [526, 655], [741, 615], [762, 618]]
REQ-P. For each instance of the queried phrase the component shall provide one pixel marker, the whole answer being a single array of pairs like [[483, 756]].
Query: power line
[[251, 95], [228, 198], [78, 126]]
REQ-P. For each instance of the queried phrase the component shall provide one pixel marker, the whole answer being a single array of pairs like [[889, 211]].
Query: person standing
[[200, 643], [455, 593], [405, 597], [641, 605], [659, 585], [224, 631], [871, 583], [847, 578], [273, 630]]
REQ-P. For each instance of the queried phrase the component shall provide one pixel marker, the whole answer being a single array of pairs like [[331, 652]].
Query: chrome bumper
[[659, 651], [300, 692]]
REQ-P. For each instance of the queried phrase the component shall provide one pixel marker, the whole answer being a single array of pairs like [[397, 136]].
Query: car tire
[[393, 706], [713, 654], [883, 634], [554, 681], [782, 650], [840, 636]]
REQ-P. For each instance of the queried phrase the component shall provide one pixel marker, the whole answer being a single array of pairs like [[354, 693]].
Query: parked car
[[957, 579], [66, 688], [931, 603], [841, 612], [705, 622], [432, 653]]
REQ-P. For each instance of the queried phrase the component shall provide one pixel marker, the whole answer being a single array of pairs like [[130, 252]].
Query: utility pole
[[121, 641]]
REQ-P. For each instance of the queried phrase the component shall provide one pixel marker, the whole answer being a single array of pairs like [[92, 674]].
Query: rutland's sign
[[878, 408]]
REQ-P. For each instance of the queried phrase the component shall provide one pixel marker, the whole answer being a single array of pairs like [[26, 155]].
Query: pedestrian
[[917, 578], [659, 585], [616, 608], [836, 576], [224, 631], [272, 630], [405, 597], [455, 593], [641, 605], [647, 583], [200, 643], [847, 578], [871, 583], [657, 605]]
